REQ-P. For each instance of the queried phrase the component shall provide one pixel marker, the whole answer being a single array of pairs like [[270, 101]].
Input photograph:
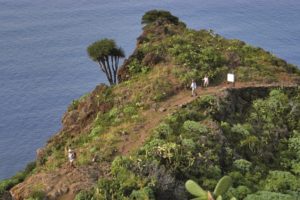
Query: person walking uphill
[[194, 87], [205, 81], [71, 157]]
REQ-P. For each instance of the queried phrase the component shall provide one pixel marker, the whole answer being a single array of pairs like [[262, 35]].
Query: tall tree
[[106, 53]]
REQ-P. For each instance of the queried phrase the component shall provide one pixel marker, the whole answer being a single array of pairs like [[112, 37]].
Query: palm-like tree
[[106, 53]]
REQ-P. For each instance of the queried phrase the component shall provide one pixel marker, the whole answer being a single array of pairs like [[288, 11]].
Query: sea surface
[[44, 64]]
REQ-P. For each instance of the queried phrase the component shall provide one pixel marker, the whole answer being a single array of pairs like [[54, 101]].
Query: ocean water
[[44, 64]]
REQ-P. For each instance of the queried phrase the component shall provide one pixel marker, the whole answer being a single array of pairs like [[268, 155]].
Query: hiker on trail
[[71, 157], [194, 86], [205, 81], [95, 158]]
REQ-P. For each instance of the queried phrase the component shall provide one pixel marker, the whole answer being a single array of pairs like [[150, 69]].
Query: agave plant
[[221, 188]]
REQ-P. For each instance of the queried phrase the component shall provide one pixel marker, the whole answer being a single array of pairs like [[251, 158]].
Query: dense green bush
[[136, 67], [154, 15], [194, 127], [264, 195], [240, 192], [281, 181], [85, 195], [242, 165], [144, 193]]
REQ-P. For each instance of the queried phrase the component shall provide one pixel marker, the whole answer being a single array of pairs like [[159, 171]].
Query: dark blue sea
[[44, 64]]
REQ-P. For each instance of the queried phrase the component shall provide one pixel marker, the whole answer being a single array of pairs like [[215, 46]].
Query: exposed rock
[[70, 117], [40, 156], [58, 182], [152, 59], [162, 109], [6, 196]]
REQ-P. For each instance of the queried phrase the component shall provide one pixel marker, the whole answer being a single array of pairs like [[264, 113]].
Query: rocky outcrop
[[55, 184], [157, 31], [86, 109]]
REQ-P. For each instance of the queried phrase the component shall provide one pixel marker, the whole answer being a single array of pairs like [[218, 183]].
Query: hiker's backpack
[[73, 156]]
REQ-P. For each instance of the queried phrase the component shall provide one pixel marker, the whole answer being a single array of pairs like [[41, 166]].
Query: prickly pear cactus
[[193, 188], [223, 185]]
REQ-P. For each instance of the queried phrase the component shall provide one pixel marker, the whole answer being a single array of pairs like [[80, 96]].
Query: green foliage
[[240, 192], [154, 15], [265, 195], [277, 103], [281, 181], [136, 67], [194, 127], [242, 165], [85, 195], [294, 143], [145, 193], [106, 53], [102, 48], [163, 130], [37, 195], [124, 184]]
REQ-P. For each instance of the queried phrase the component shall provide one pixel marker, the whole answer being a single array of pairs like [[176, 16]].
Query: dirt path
[[154, 117]]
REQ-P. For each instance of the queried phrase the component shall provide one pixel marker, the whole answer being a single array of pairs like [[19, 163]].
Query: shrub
[[240, 192], [130, 110], [84, 195], [37, 195], [188, 144], [145, 193], [154, 15], [136, 67], [163, 130], [294, 143], [281, 181], [242, 165], [194, 127], [265, 195]]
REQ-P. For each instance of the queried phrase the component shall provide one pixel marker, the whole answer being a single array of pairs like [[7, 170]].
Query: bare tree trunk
[[113, 68], [109, 69], [108, 75]]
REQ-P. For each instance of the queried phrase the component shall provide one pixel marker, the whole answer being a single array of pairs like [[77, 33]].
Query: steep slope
[[123, 149]]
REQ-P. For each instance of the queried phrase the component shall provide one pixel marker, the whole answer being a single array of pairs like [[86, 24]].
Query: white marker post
[[230, 78]]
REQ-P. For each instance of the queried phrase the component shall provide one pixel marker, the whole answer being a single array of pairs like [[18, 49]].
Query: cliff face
[[143, 138]]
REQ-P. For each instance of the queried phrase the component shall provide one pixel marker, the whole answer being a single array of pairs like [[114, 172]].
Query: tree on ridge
[[106, 53]]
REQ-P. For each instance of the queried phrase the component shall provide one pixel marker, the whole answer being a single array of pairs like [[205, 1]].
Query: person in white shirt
[[194, 87], [71, 157], [205, 81]]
